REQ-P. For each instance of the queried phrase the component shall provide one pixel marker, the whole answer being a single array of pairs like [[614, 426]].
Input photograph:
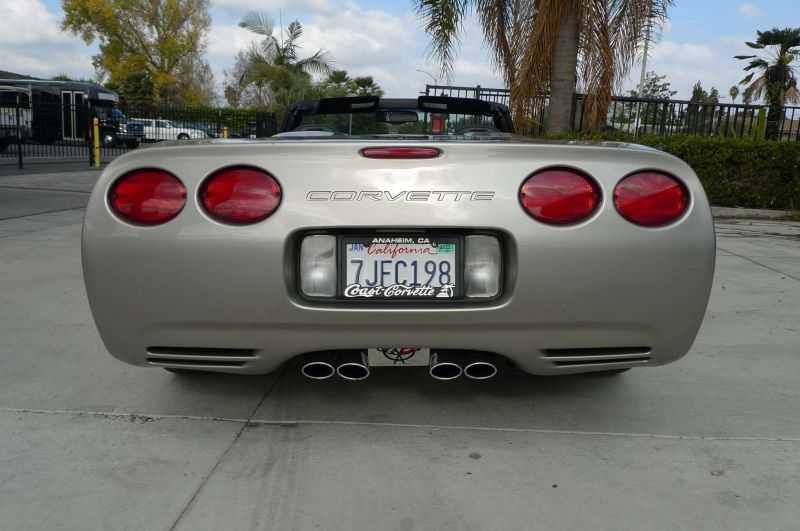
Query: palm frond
[[497, 21], [597, 65], [319, 63], [792, 95], [757, 89], [535, 64], [757, 63], [613, 35], [442, 20], [258, 23]]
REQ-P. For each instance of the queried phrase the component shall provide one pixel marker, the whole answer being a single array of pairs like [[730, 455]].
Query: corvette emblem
[[401, 196]]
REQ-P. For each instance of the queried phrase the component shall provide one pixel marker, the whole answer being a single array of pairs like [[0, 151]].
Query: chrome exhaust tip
[[317, 366], [444, 366], [480, 367], [353, 366]]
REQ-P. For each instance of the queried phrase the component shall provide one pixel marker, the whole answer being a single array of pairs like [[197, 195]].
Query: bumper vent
[[611, 356], [199, 357]]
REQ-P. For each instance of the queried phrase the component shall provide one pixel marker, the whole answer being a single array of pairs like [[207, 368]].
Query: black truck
[[62, 111]]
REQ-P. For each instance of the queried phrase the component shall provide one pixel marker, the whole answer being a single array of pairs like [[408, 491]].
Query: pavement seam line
[[294, 422], [42, 213], [246, 422], [756, 262], [43, 189]]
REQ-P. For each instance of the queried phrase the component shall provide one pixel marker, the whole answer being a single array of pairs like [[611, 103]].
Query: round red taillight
[[560, 196], [147, 196], [240, 195], [651, 198]]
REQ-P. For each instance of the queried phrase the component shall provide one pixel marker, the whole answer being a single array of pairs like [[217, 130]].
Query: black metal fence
[[657, 117], [55, 132]]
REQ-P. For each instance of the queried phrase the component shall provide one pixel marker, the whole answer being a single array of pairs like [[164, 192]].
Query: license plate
[[401, 267]]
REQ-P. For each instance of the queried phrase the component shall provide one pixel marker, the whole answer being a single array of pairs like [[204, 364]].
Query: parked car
[[158, 130], [361, 244], [15, 107]]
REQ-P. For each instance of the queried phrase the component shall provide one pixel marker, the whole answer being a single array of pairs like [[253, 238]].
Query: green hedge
[[736, 172]]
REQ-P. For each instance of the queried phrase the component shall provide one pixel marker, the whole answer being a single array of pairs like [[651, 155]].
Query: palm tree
[[777, 80], [275, 63], [542, 45], [734, 93], [283, 52]]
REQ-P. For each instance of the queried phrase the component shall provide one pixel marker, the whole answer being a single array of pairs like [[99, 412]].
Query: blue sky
[[383, 38]]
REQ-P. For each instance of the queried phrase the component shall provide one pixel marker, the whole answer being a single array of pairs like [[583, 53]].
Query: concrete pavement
[[711, 442]]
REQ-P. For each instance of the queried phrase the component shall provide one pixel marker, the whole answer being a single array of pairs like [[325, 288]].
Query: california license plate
[[401, 267]]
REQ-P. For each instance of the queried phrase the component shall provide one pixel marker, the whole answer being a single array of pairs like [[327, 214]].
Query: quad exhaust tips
[[448, 365], [349, 365], [444, 365]]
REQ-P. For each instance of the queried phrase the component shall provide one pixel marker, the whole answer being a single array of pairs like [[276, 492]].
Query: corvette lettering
[[415, 196]]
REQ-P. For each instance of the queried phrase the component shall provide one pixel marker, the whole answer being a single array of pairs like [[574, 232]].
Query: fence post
[[19, 136], [96, 140]]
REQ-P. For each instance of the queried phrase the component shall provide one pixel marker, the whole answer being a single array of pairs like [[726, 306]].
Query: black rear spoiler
[[371, 104]]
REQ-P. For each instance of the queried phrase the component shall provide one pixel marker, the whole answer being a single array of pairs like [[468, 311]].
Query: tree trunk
[[774, 115], [563, 74]]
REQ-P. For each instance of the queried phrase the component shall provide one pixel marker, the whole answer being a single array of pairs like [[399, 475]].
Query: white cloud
[[750, 10], [33, 43], [225, 41], [28, 22], [364, 41]]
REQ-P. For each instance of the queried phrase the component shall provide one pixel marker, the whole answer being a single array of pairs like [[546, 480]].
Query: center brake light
[[240, 195], [560, 196], [400, 153]]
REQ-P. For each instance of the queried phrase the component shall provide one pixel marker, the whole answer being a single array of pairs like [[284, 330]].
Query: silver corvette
[[398, 232]]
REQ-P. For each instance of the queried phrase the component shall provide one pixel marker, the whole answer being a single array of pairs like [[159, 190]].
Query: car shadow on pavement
[[409, 395]]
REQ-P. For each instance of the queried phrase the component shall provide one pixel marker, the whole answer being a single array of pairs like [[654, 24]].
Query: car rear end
[[560, 258]]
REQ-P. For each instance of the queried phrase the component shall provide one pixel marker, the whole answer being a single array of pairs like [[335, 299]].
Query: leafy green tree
[[777, 80], [337, 84], [136, 89], [655, 87], [163, 38], [700, 113], [366, 86]]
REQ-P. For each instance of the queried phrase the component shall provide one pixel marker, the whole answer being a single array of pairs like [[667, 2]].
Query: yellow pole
[[96, 138], [225, 132]]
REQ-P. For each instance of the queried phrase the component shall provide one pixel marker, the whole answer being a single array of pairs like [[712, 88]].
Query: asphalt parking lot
[[710, 442]]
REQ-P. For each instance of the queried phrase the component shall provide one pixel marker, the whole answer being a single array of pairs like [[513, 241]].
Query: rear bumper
[[625, 305]]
